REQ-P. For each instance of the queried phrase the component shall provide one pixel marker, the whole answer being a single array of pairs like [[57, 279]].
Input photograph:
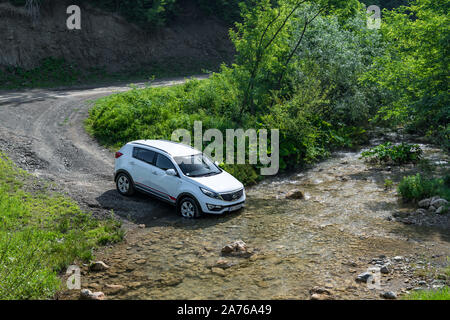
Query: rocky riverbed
[[305, 235]]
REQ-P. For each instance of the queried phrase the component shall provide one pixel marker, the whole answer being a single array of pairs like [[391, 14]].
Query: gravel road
[[42, 131]]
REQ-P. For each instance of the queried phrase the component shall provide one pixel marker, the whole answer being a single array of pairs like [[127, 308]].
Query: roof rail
[[146, 145]]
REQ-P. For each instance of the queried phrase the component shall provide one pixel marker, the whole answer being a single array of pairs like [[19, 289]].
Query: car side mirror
[[171, 172]]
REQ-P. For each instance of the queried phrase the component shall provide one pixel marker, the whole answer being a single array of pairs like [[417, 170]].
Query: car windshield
[[197, 165]]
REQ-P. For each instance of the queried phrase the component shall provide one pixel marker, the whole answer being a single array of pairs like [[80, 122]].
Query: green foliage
[[388, 183], [414, 68], [50, 71], [415, 188], [396, 154], [433, 294], [40, 234], [274, 83], [53, 72]]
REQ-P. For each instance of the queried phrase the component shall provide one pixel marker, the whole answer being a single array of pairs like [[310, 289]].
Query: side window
[[144, 155], [163, 162]]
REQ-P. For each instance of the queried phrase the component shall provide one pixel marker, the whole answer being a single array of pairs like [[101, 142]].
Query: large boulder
[[237, 248], [98, 266], [438, 203], [425, 203], [295, 194]]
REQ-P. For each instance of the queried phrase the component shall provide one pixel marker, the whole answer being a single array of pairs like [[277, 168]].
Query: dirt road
[[42, 131]]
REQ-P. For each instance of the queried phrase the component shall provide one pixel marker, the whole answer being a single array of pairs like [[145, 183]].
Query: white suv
[[178, 174]]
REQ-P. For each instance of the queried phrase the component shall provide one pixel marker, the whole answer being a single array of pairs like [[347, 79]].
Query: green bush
[[264, 89], [40, 234], [396, 154], [415, 188]]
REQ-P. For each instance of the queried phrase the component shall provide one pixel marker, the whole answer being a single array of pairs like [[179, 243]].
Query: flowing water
[[324, 239]]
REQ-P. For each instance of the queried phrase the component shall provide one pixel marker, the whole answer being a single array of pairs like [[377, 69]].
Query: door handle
[[132, 163]]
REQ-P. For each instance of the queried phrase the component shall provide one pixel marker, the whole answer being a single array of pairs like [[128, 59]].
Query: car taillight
[[118, 154]]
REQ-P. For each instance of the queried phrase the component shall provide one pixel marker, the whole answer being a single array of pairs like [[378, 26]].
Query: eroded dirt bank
[[344, 224]]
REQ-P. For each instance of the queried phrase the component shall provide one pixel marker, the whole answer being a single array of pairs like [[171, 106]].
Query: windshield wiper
[[203, 175]]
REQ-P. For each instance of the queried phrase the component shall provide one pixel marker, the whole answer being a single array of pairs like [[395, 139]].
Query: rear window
[[144, 155]]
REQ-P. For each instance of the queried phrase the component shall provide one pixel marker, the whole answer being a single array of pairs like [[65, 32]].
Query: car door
[[142, 168], [166, 184]]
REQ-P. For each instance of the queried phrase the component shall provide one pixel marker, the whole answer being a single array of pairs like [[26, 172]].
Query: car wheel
[[188, 208], [124, 184]]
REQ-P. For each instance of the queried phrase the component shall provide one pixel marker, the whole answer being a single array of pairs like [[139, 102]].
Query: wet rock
[[98, 266], [140, 261], [440, 210], [222, 263], [295, 194], [86, 294], [389, 295], [317, 296], [425, 203], [364, 277], [319, 290], [438, 203], [237, 248], [114, 288], [386, 269], [398, 258], [218, 271], [432, 209], [135, 284], [401, 214], [442, 276], [421, 211]]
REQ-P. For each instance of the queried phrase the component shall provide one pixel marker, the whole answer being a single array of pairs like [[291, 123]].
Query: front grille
[[232, 196]]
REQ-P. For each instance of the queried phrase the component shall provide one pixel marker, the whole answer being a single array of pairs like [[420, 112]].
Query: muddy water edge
[[343, 225]]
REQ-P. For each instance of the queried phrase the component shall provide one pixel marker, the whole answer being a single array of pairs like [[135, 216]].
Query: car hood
[[222, 182]]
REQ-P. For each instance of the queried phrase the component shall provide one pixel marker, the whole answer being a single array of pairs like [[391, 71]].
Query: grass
[[418, 187], [41, 233], [438, 294], [54, 72]]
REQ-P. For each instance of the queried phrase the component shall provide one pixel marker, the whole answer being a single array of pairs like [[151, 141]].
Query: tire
[[124, 184], [188, 208]]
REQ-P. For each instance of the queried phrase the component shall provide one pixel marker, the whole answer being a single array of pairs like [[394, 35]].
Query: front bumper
[[225, 208]]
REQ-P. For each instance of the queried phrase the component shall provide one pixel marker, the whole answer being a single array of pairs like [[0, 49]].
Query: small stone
[[222, 263], [386, 269], [389, 295], [319, 290], [317, 296], [142, 226], [425, 203], [86, 294], [218, 271], [141, 261], [295, 194], [98, 266], [397, 258], [432, 209], [364, 277], [422, 283]]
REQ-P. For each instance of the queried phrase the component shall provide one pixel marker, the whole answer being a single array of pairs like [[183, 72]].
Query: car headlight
[[211, 194]]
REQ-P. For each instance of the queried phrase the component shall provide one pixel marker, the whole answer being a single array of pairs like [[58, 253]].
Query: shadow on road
[[145, 209]]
